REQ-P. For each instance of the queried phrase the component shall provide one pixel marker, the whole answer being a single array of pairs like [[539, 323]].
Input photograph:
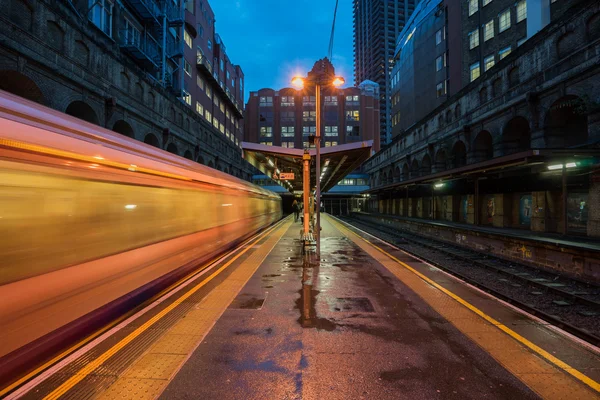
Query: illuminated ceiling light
[[571, 165], [131, 206], [226, 205], [555, 166], [270, 162], [99, 158], [439, 185], [277, 170], [327, 162]]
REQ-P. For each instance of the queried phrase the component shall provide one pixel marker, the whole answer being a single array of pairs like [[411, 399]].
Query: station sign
[[286, 176]]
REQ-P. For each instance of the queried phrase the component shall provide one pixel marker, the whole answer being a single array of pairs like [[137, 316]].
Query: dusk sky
[[273, 40]]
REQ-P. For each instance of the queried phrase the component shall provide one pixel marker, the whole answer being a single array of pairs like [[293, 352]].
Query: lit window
[[504, 52], [287, 101], [440, 89], [222, 107], [331, 100], [187, 98], [187, 67], [331, 130], [334, 143], [474, 39], [215, 122], [520, 42], [221, 128], [504, 20], [101, 14], [200, 82], [222, 65], [306, 130], [209, 92], [474, 71], [488, 31], [327, 144], [486, 2], [187, 38], [309, 116], [488, 62], [473, 7], [287, 131], [309, 100], [440, 62], [266, 131], [521, 10], [209, 43], [438, 37], [266, 101], [352, 115], [207, 115], [199, 108]]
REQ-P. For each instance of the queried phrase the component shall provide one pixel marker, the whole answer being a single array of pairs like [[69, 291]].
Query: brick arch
[[565, 123], [593, 26], [21, 13], [459, 154], [172, 148], [441, 160], [426, 165], [82, 110], [123, 128], [516, 136], [483, 147], [21, 85], [152, 140], [188, 155], [405, 172]]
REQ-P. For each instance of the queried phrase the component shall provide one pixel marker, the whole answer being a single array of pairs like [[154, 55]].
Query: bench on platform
[[308, 240]]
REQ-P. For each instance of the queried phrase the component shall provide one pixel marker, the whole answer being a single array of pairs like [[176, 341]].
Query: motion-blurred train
[[90, 219]]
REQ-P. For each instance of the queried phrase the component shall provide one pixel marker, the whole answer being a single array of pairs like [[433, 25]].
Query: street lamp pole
[[318, 167]]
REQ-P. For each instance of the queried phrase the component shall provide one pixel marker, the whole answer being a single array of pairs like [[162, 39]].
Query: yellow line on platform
[[91, 366], [538, 350]]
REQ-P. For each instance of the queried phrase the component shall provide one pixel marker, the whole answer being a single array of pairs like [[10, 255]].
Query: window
[[266, 131], [352, 100], [287, 116], [352, 115], [187, 67], [440, 62], [331, 130], [309, 100], [331, 100], [287, 131], [473, 7], [307, 130], [222, 64], [488, 31], [209, 44], [199, 108], [504, 52], [267, 143], [187, 98], [521, 10], [520, 42], [266, 101], [287, 101], [200, 82], [222, 107], [504, 20], [352, 130], [309, 116], [209, 92], [440, 89], [101, 14], [227, 75], [488, 62], [216, 122], [474, 39], [189, 5], [132, 34], [474, 71], [207, 115], [486, 2], [187, 37], [440, 35]]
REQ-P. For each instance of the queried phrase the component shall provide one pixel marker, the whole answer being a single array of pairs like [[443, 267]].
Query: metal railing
[[141, 46]]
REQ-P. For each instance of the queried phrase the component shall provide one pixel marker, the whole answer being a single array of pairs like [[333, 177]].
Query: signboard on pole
[[286, 176]]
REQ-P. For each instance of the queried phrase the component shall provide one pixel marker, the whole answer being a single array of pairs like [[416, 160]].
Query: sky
[[273, 40]]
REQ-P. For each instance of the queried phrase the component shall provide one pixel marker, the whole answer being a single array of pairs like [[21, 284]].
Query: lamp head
[[298, 82], [338, 81]]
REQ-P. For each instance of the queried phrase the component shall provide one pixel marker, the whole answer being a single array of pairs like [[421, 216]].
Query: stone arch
[[497, 87], [188, 155], [384, 178], [125, 82], [414, 169], [21, 85], [483, 95], [21, 13], [139, 92], [565, 44], [482, 147], [82, 110], [152, 140], [593, 26], [566, 124], [172, 148], [457, 113], [123, 128], [441, 160], [200, 160], [211, 164], [513, 77], [516, 136], [81, 53], [459, 154], [426, 165], [448, 116], [56, 36], [397, 174], [405, 172]]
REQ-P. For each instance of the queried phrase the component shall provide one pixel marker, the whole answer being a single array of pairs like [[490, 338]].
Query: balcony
[[174, 47], [175, 16], [172, 84], [143, 48], [204, 64], [147, 9]]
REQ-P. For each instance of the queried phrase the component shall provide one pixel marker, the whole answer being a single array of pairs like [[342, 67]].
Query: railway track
[[568, 303]]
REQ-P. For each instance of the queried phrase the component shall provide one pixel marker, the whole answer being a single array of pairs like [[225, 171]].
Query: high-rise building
[[377, 24]]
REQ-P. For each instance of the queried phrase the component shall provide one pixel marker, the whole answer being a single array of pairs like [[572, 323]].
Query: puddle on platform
[[247, 302]]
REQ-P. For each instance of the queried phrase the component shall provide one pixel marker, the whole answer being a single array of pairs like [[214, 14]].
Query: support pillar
[[306, 191]]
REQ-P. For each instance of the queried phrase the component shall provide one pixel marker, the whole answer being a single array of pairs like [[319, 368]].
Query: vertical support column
[[306, 190], [433, 203], [318, 168], [564, 199], [476, 216]]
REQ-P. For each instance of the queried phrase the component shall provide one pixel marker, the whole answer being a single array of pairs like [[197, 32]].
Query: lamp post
[[322, 74]]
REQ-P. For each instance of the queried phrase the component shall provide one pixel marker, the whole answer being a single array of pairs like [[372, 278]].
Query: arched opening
[[593, 26], [483, 94], [152, 140], [513, 77], [172, 148], [459, 154], [566, 123], [566, 44], [516, 136], [81, 110], [397, 174], [200, 160], [188, 155], [226, 170], [483, 147], [414, 169], [405, 172], [20, 85], [211, 164], [123, 128], [440, 160], [384, 179], [426, 165]]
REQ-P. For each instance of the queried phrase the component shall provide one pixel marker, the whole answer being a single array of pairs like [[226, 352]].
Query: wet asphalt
[[341, 328]]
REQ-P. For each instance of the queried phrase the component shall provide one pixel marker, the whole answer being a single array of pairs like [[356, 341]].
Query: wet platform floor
[[343, 327]]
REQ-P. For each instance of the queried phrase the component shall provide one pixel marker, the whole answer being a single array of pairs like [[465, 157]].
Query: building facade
[[377, 24], [287, 117], [128, 66]]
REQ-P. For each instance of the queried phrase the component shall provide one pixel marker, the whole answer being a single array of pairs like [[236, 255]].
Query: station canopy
[[336, 162]]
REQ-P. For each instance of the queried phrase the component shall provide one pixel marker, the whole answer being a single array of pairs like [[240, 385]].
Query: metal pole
[[306, 190], [318, 168], [564, 199]]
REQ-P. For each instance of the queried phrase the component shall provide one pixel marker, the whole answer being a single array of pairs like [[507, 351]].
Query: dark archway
[[441, 160], [188, 155], [459, 154], [384, 179], [152, 140], [172, 148], [83, 111], [414, 169], [200, 160], [397, 174], [20, 85], [566, 123], [226, 170], [123, 128], [483, 147], [211, 164], [405, 172], [426, 165], [516, 136]]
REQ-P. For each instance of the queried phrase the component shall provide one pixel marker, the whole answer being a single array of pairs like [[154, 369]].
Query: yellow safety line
[[112, 324], [560, 364], [91, 366]]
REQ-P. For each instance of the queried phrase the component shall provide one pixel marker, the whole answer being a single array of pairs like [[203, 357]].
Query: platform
[[365, 321]]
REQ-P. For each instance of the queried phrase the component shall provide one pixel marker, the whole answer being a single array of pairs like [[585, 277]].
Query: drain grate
[[351, 304]]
